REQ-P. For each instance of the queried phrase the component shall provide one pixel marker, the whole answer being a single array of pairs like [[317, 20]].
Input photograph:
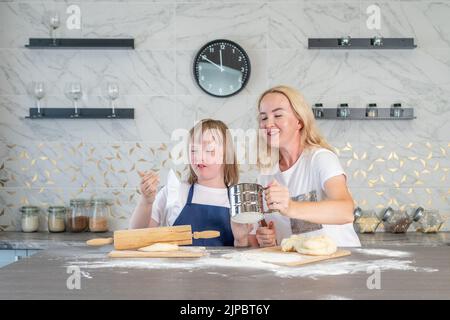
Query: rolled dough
[[315, 246], [157, 247]]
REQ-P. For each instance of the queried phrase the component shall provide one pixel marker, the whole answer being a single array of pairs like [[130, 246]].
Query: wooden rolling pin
[[138, 238]]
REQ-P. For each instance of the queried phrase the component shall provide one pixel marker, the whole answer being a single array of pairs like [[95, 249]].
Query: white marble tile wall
[[397, 163]]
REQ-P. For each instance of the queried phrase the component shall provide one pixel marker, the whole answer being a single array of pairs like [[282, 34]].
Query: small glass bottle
[[98, 220], [318, 110], [56, 219], [77, 219], [343, 111], [366, 221], [396, 221], [427, 221], [30, 218], [372, 111], [396, 110]]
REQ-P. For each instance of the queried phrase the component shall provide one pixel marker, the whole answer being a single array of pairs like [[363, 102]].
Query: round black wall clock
[[221, 68]]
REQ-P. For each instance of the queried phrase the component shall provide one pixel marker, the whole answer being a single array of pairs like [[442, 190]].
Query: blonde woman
[[307, 186], [202, 201]]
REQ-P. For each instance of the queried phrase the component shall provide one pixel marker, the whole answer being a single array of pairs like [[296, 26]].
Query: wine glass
[[74, 93], [112, 90], [38, 90], [54, 22]]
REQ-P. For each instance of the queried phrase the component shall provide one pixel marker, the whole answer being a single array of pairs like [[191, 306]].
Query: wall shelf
[[361, 114], [83, 113], [73, 43], [361, 43]]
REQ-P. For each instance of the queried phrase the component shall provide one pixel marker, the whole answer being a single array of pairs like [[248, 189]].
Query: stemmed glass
[[112, 90], [54, 23], [38, 90], [74, 93]]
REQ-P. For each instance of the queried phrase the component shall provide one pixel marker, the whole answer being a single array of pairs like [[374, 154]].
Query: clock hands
[[205, 58], [221, 66]]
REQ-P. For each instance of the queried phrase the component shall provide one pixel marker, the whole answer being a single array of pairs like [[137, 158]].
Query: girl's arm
[[242, 236], [142, 215], [336, 209]]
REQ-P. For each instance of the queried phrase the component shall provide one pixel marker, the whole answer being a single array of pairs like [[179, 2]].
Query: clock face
[[221, 68]]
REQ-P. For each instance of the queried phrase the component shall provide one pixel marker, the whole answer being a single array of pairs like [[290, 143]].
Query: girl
[[203, 201], [308, 185]]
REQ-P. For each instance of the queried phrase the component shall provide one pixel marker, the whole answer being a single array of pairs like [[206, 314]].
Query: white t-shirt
[[171, 199], [309, 174]]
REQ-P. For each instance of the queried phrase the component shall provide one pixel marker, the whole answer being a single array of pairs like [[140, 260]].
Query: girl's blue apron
[[204, 217]]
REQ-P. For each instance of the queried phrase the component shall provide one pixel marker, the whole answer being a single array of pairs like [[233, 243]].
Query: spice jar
[[318, 110], [56, 217], [427, 221], [30, 218], [343, 111], [396, 110], [98, 221], [366, 221], [396, 221], [371, 111], [77, 219]]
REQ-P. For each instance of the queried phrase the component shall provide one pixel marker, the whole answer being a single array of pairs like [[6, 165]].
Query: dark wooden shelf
[[83, 113], [361, 43], [75, 43]]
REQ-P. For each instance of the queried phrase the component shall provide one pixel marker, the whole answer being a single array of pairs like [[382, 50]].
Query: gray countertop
[[411, 266], [45, 240]]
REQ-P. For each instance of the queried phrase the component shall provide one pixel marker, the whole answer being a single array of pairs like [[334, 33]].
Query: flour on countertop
[[384, 253], [250, 261]]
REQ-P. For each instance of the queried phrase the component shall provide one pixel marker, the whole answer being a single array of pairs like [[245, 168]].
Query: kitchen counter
[[45, 240], [415, 272]]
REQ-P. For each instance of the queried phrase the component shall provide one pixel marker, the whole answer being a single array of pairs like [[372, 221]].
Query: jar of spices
[[343, 111], [427, 221], [77, 219], [318, 110], [29, 218], [98, 220], [56, 219], [396, 221], [366, 221], [396, 110], [372, 111]]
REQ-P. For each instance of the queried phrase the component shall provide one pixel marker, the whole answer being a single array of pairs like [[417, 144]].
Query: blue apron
[[204, 217]]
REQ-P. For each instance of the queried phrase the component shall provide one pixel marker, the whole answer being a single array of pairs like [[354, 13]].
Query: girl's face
[[206, 155], [279, 120]]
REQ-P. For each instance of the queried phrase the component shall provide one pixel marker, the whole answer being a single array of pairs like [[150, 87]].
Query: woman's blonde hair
[[231, 168], [310, 135]]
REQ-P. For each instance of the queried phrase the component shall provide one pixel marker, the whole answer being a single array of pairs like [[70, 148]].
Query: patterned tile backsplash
[[388, 163]]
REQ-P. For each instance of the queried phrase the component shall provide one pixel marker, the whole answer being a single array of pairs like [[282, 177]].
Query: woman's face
[[278, 119], [206, 155]]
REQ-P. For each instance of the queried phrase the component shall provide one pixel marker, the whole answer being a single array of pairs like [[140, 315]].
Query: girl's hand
[[240, 233], [277, 197], [148, 186], [266, 236]]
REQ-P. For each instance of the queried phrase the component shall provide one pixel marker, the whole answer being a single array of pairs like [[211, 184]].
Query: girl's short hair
[[220, 131]]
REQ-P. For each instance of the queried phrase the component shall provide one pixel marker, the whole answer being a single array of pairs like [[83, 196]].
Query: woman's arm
[[336, 209]]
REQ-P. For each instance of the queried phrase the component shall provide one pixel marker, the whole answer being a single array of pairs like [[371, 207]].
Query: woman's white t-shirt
[[171, 199], [309, 174]]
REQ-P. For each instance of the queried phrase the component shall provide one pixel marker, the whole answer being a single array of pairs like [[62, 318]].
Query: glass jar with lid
[[101, 211], [366, 221], [396, 221], [77, 218], [56, 218], [427, 221], [29, 218]]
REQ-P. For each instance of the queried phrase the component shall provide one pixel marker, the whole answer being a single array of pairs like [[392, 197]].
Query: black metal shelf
[[361, 43], [75, 43], [83, 113], [362, 114]]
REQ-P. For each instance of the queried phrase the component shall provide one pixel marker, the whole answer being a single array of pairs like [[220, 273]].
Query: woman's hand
[[148, 186], [240, 233], [266, 236], [277, 197]]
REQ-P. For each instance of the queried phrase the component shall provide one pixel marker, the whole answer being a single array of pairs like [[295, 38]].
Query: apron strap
[[190, 195]]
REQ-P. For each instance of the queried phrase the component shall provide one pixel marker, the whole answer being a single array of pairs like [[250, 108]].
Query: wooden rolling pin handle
[[206, 234], [99, 241]]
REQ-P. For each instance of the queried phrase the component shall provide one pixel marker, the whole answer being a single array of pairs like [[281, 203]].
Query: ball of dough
[[157, 247], [288, 244], [316, 246]]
